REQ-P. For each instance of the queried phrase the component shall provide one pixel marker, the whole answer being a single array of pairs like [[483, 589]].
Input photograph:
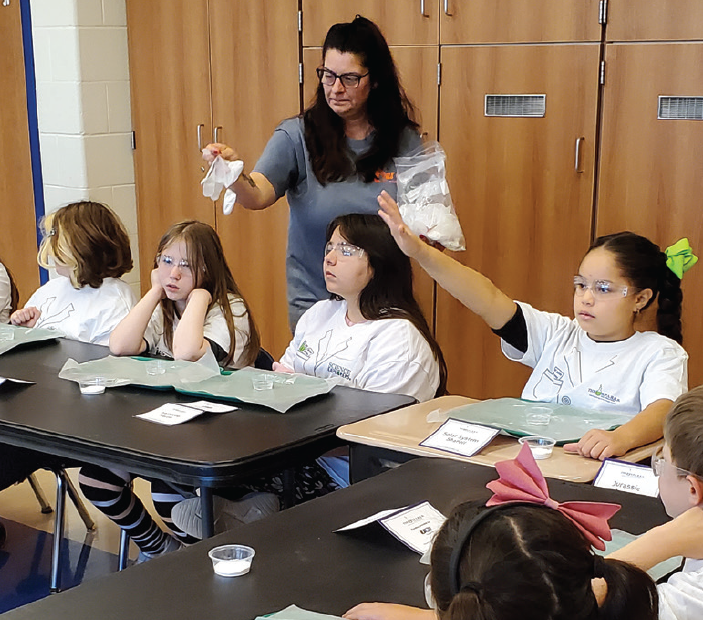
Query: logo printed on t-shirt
[[338, 370], [601, 395], [305, 350], [384, 177]]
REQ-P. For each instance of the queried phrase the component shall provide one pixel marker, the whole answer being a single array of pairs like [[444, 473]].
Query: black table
[[213, 450], [300, 560]]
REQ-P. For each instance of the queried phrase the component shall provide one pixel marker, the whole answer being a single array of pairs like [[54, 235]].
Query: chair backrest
[[264, 360]]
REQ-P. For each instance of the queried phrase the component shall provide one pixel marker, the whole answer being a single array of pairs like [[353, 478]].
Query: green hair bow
[[680, 257]]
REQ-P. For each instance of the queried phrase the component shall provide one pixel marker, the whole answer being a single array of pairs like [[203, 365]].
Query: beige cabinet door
[[418, 73], [170, 83], [403, 22], [255, 85], [650, 168], [18, 240], [518, 21], [654, 20], [525, 209]]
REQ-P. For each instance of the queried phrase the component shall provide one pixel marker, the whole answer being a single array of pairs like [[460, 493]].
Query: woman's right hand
[[25, 317], [407, 241], [217, 148]]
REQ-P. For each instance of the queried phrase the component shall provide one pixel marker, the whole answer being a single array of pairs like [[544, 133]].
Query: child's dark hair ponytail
[[670, 301], [644, 265], [631, 593]]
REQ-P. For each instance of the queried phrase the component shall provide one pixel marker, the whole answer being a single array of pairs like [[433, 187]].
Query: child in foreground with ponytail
[[597, 360], [525, 556]]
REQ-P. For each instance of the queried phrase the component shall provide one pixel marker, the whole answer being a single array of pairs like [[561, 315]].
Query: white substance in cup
[[232, 568]]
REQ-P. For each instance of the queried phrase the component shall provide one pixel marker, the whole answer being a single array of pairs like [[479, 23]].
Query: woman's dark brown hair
[[88, 238], [389, 293], [211, 272]]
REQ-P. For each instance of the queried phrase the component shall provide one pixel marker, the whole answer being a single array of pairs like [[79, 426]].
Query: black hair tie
[[472, 586], [598, 566]]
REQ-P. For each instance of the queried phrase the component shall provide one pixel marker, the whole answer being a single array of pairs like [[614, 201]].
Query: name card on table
[[628, 477], [461, 438], [414, 526], [174, 413]]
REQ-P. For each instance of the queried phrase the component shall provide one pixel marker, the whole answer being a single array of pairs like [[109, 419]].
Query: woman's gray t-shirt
[[285, 163]]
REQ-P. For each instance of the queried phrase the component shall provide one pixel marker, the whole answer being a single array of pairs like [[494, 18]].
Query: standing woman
[[337, 156]]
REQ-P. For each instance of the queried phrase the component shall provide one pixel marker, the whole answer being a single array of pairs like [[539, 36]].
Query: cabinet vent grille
[[531, 106], [681, 108]]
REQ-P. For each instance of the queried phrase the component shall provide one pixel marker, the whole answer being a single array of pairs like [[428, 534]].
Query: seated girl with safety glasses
[[597, 360]]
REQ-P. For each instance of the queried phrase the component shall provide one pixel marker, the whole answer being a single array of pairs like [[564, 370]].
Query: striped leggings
[[110, 491]]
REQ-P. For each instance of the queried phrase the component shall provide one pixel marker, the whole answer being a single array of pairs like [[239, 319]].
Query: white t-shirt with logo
[[572, 369], [681, 597], [86, 314], [214, 329], [5, 295], [387, 355]]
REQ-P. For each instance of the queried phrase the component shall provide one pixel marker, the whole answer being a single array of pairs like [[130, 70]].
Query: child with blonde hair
[[88, 247]]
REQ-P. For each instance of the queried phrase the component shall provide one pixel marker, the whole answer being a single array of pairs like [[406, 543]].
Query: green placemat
[[286, 389], [12, 336], [151, 373], [566, 423], [293, 612]]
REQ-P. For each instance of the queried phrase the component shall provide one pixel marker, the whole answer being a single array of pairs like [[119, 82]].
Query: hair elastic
[[680, 257]]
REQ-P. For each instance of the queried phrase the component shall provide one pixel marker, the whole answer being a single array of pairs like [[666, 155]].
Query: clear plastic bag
[[424, 199]]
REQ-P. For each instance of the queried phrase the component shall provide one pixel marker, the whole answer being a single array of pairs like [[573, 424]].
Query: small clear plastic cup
[[231, 560], [262, 382], [538, 416], [92, 385], [541, 447], [155, 367]]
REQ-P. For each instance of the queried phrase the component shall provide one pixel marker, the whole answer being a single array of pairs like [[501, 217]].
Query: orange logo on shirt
[[384, 177]]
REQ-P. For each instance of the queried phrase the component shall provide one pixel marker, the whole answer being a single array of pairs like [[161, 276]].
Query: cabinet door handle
[[200, 136], [216, 133], [422, 9], [577, 156], [446, 8]]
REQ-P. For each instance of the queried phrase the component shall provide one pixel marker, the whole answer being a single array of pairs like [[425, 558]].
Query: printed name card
[[628, 477], [175, 413], [461, 438], [414, 526]]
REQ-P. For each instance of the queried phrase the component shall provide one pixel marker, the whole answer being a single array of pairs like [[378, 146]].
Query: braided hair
[[644, 265]]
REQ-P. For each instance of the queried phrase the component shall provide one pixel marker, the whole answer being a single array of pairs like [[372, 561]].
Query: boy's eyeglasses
[[348, 80], [345, 250], [659, 462], [599, 288], [169, 263]]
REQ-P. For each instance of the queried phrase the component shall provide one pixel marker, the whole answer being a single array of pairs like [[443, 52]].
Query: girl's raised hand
[[407, 241], [26, 317], [217, 148]]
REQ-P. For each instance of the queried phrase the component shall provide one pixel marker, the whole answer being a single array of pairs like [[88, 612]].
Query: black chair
[[264, 360]]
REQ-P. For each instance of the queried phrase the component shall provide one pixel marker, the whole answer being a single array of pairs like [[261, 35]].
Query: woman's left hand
[[599, 444]]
